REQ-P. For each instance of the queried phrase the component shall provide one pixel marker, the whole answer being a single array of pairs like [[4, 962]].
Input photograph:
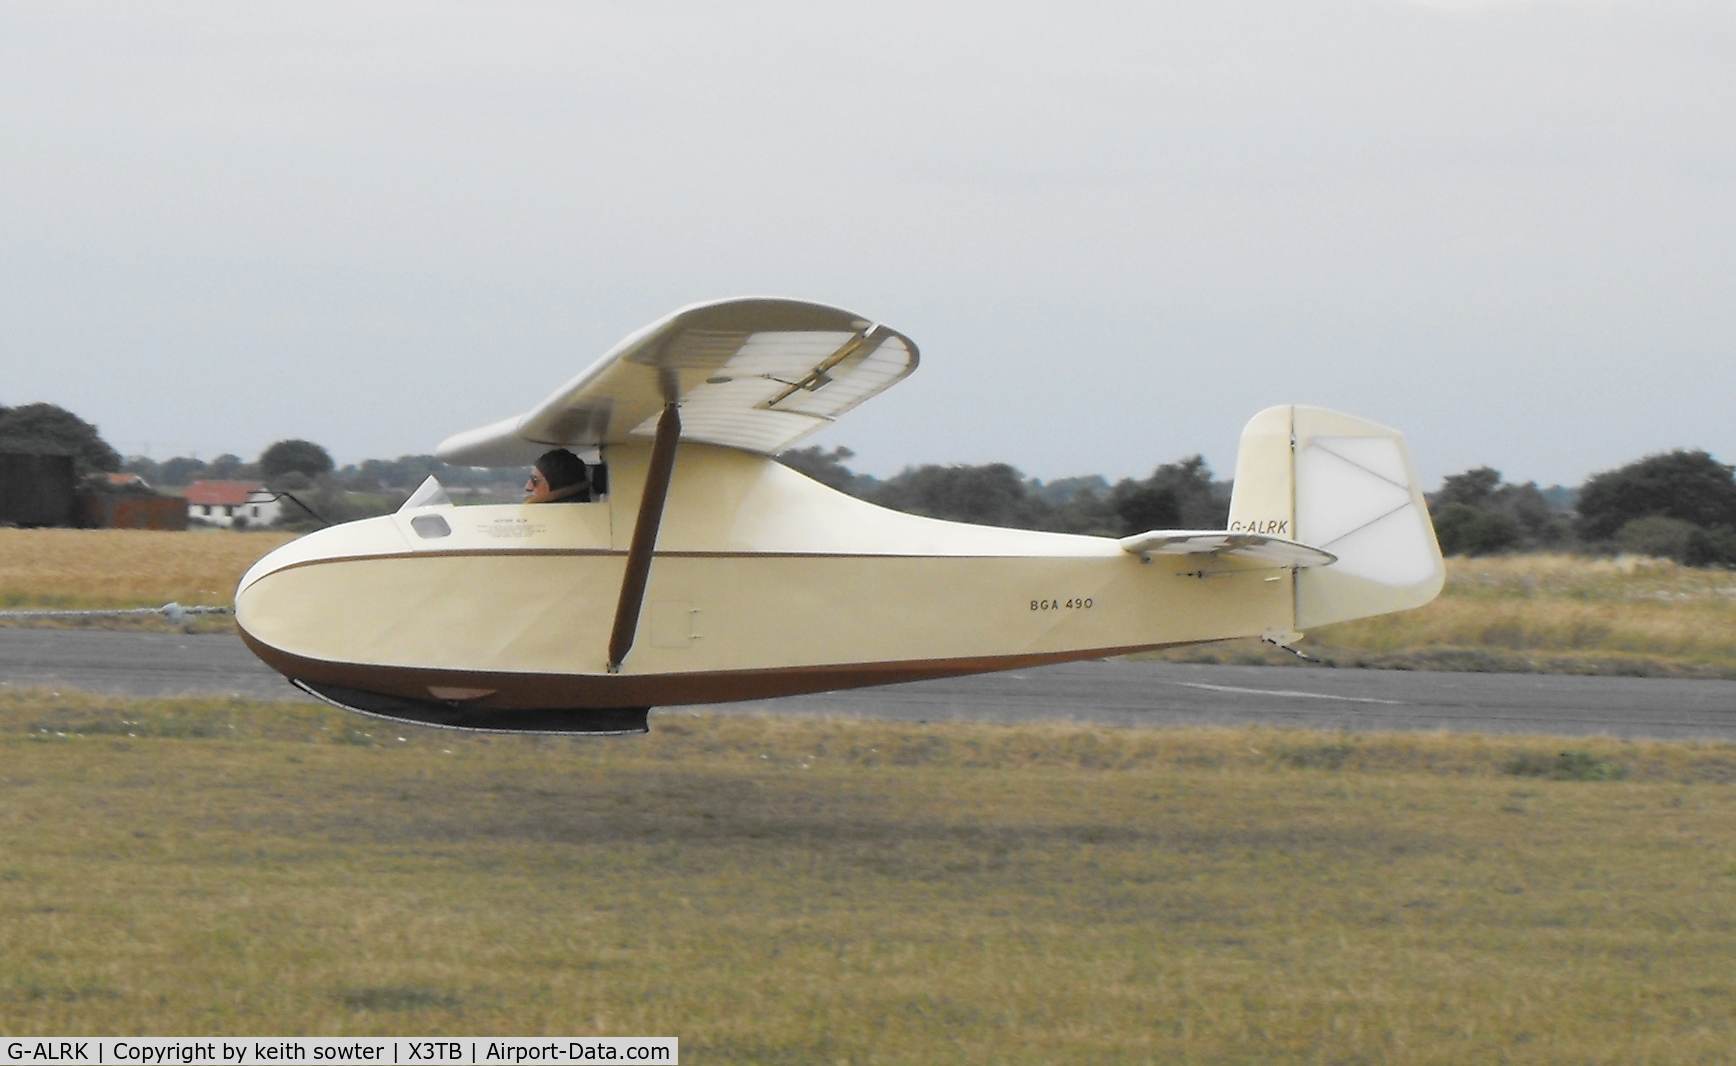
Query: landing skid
[[560, 721]]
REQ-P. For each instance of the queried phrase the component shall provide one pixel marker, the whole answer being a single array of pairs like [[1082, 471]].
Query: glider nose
[[270, 562], [255, 593]]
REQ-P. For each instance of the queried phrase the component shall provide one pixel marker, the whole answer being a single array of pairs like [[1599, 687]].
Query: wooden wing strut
[[644, 536]]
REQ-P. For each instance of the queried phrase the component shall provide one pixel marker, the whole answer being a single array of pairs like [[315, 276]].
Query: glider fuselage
[[763, 583]]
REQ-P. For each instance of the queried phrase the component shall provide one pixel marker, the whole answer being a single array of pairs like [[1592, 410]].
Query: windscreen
[[428, 494]]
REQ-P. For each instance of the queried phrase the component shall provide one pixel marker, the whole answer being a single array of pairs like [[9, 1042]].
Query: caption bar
[[287, 1050]]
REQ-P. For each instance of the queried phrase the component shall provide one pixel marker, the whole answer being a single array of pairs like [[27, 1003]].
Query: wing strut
[[644, 536]]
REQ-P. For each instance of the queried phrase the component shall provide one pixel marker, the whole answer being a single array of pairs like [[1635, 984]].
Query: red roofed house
[[221, 503]]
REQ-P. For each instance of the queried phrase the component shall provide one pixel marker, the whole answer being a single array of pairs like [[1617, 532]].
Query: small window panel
[[430, 526]]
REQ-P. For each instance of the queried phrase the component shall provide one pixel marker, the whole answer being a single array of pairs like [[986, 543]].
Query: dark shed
[[36, 489]]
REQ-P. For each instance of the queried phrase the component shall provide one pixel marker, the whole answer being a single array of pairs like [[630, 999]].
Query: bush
[[1475, 513], [1464, 529], [1711, 547], [1688, 485], [1657, 536]]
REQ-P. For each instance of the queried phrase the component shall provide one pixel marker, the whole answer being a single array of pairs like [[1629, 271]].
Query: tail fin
[[1347, 486]]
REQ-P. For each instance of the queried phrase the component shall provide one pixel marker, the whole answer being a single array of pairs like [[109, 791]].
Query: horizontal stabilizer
[[1274, 550]]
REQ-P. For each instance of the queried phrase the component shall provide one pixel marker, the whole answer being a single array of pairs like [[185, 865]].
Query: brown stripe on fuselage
[[478, 553], [527, 691]]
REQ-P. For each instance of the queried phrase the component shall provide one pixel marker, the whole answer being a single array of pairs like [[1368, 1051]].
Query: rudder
[[1345, 485]]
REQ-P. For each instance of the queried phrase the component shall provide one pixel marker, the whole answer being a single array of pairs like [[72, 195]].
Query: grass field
[[1549, 613], [80, 569], [788, 891], [1540, 613]]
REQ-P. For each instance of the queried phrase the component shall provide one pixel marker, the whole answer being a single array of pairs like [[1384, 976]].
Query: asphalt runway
[[1113, 693]]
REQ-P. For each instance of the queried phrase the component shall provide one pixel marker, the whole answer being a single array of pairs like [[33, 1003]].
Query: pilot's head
[[558, 475]]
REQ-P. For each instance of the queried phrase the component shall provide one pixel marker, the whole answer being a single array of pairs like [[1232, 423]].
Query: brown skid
[[523, 691]]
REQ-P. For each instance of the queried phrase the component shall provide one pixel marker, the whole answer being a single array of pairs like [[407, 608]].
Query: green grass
[[844, 891]]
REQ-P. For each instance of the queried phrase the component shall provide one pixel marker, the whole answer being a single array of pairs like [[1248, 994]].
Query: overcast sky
[[1115, 230]]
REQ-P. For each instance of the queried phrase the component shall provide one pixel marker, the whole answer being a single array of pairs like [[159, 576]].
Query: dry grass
[[833, 891], [1556, 613], [81, 569], [125, 567]]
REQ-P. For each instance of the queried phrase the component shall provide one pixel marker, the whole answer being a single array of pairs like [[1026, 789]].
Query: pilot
[[559, 476]]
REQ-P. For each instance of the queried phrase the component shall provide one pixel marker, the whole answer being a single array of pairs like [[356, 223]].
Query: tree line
[[320, 491], [1676, 505], [1679, 504], [295, 463], [1179, 495]]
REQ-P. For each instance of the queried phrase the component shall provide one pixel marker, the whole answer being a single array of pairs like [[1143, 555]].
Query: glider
[[708, 571]]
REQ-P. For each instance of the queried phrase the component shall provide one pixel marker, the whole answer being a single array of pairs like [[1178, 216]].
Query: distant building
[[127, 501], [131, 509], [40, 490], [222, 503]]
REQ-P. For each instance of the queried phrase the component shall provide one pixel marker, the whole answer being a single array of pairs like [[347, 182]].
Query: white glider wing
[[757, 374], [1275, 550]]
